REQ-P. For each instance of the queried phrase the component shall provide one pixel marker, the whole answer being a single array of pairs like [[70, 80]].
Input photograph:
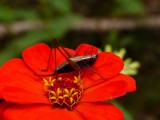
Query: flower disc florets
[[63, 92]]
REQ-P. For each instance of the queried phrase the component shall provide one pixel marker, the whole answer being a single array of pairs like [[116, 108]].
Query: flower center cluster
[[63, 92]]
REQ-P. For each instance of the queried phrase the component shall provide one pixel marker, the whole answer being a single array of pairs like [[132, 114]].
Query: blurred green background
[[130, 24]]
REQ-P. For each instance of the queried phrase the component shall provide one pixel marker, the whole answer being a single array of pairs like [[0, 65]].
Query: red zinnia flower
[[78, 95]]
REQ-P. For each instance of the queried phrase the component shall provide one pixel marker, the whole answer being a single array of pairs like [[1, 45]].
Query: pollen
[[63, 92]]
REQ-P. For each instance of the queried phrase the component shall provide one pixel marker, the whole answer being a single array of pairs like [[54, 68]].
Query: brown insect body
[[81, 61]]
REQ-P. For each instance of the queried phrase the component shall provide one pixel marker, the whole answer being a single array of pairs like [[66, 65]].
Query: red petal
[[104, 91], [23, 96], [35, 112], [0, 95], [86, 49], [37, 58], [99, 111], [106, 66], [15, 74], [63, 114], [129, 80]]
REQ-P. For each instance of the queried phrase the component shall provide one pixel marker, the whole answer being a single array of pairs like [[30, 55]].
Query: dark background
[[133, 24]]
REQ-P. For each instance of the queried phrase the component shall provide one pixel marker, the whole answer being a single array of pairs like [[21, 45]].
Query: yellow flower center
[[63, 92]]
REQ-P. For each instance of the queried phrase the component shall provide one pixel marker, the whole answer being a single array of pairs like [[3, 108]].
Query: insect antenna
[[116, 26]]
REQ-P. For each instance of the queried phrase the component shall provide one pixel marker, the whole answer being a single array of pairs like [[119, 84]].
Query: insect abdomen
[[81, 61]]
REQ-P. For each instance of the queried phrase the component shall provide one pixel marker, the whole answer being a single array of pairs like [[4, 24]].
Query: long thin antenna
[[117, 21], [116, 24]]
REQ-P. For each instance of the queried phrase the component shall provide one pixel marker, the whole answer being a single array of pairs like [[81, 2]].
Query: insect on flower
[[73, 94], [67, 96], [73, 62], [74, 85]]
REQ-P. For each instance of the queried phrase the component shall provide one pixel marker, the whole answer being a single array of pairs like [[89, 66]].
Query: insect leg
[[54, 45], [68, 54], [73, 64]]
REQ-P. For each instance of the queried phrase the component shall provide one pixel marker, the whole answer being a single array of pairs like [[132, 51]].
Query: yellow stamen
[[63, 91]]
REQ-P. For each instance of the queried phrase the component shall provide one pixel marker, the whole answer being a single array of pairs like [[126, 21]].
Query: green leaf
[[131, 6], [59, 26], [7, 14], [63, 6], [25, 14], [112, 38]]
